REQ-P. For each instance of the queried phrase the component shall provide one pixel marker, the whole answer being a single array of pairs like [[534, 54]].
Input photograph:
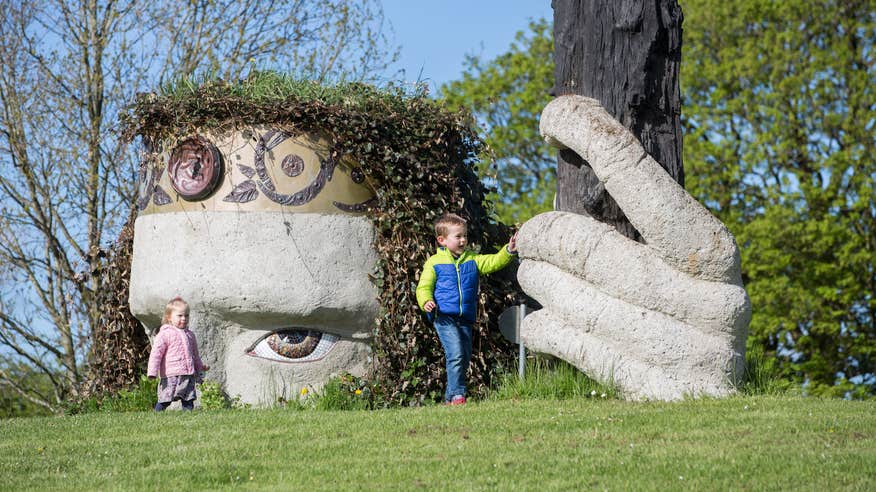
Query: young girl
[[175, 358]]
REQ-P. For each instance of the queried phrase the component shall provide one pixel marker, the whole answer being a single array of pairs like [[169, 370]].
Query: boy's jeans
[[455, 335]]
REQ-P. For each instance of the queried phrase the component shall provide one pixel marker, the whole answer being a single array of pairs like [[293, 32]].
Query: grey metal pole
[[521, 354]]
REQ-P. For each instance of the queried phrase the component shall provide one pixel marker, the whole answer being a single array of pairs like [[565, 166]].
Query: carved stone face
[[268, 246]]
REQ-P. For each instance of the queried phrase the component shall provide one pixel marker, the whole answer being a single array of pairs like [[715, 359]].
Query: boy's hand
[[512, 244], [205, 367], [429, 306]]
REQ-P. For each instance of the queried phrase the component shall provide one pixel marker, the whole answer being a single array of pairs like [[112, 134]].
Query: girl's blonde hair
[[174, 303]]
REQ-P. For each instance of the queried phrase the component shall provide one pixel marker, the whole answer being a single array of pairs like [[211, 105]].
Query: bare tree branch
[[27, 393]]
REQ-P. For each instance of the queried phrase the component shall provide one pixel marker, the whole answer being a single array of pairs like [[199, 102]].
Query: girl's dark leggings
[[186, 405]]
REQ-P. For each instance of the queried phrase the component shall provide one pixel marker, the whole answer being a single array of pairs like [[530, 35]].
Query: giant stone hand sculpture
[[660, 320]]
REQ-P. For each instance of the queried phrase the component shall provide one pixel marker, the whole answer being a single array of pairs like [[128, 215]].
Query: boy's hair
[[445, 221], [174, 303]]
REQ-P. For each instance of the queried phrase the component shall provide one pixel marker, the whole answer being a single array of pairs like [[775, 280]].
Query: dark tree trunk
[[626, 55]]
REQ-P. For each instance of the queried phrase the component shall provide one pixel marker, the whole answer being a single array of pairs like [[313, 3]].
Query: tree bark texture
[[625, 54]]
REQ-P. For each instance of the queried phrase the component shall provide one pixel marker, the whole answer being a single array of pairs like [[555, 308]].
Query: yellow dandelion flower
[[358, 392], [303, 391]]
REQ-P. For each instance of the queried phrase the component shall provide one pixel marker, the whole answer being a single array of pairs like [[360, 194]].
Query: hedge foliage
[[119, 346], [420, 159]]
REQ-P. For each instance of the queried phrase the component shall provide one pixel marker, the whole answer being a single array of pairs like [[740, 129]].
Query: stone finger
[[669, 219], [655, 338], [630, 271], [607, 362]]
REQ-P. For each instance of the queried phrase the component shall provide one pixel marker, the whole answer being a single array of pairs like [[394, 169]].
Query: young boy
[[448, 290]]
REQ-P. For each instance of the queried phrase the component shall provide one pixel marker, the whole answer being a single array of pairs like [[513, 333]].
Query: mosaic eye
[[293, 346], [194, 168]]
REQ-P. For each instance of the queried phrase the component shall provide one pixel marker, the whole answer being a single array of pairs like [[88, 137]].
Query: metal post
[[521, 354]]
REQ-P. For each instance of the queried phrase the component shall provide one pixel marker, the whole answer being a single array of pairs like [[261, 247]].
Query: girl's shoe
[[457, 400]]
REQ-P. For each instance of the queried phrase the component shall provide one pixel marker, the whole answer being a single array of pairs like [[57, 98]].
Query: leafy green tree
[[506, 95], [779, 116]]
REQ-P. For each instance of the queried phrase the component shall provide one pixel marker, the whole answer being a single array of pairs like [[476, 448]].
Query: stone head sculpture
[[262, 231], [294, 218]]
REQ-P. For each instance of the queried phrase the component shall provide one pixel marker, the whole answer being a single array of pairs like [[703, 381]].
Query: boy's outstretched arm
[[501, 259]]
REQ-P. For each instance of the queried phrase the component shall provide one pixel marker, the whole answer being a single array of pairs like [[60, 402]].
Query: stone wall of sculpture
[[660, 320], [262, 233]]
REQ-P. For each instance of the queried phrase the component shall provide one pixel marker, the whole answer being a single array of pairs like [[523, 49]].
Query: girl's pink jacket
[[174, 353]]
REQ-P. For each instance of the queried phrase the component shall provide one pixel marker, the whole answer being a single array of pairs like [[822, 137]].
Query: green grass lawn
[[747, 443]]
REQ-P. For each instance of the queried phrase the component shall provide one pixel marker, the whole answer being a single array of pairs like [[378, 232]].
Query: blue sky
[[435, 36]]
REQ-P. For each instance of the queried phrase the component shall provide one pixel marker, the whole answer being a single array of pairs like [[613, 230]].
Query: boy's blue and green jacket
[[453, 282]]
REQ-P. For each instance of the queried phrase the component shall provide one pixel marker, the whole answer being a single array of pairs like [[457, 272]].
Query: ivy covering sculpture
[[292, 216]]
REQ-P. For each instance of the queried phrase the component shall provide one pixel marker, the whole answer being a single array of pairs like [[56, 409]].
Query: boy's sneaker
[[457, 400]]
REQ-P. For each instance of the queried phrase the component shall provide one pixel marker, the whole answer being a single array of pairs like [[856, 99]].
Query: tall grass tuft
[[761, 375], [550, 378]]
